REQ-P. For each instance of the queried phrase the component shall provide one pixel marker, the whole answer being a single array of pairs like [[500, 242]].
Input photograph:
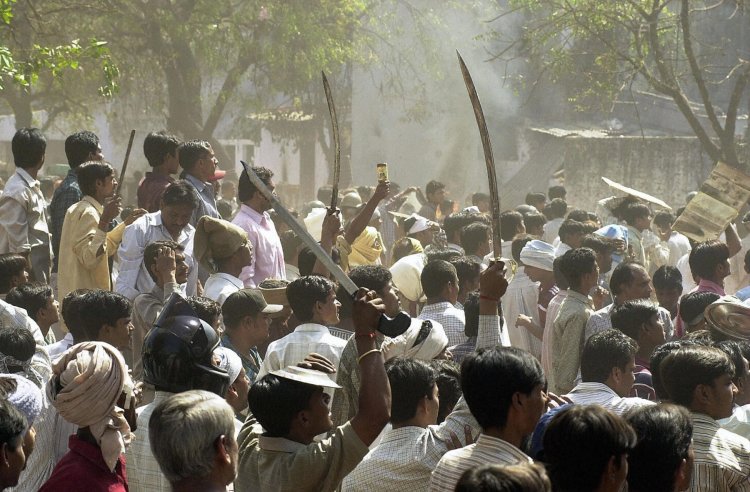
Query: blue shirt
[[67, 194]]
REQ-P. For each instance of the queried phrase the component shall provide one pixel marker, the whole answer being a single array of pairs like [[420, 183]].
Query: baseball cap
[[247, 302]]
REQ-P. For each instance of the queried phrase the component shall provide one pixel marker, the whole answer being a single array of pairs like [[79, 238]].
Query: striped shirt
[[600, 394], [486, 450], [722, 458]]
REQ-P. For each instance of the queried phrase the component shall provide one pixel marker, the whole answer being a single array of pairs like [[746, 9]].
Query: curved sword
[[336, 143], [489, 159]]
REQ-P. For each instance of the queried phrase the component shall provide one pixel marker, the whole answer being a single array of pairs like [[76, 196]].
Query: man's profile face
[[181, 267], [721, 394], [668, 298], [437, 196], [319, 414], [639, 287], [329, 310], [96, 155]]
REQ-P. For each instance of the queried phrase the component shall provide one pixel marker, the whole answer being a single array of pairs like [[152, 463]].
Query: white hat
[[538, 254], [230, 362], [314, 222], [307, 376], [420, 224]]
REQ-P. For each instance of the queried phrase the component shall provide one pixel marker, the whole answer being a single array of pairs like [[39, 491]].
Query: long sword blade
[[489, 159], [336, 142]]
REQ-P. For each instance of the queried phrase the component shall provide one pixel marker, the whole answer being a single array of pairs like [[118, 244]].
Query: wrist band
[[373, 351], [488, 298]]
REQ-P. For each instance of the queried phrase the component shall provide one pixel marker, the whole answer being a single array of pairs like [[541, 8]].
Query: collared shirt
[[722, 458], [486, 450], [553, 308], [66, 195], [23, 220], [146, 309], [145, 475], [405, 457], [601, 321], [276, 464], [268, 257], [83, 468], [293, 348], [220, 285], [133, 278], [206, 199], [11, 315], [41, 463], [567, 341], [522, 297], [251, 361], [600, 394], [452, 319], [80, 242], [151, 189]]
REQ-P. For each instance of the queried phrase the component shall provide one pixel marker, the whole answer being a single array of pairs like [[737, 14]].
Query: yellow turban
[[216, 239]]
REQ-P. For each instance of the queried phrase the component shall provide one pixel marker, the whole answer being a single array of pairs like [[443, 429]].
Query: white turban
[[423, 340], [538, 254], [230, 362], [420, 224]]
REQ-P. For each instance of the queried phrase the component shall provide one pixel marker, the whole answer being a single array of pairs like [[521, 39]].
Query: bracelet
[[488, 298], [373, 351]]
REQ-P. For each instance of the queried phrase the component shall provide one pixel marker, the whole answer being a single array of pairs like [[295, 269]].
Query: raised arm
[[358, 223]]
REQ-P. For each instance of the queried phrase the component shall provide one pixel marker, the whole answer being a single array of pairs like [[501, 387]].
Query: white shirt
[[522, 297], [683, 265], [56, 349], [293, 348], [219, 286], [600, 394], [133, 278], [551, 228], [291, 272]]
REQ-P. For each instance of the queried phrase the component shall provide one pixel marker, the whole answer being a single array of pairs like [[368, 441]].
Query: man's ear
[[221, 447], [682, 475], [701, 394]]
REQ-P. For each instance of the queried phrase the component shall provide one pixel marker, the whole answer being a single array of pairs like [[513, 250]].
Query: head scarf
[[538, 254], [366, 249], [36, 371], [423, 340], [230, 362], [26, 398], [87, 381], [216, 239]]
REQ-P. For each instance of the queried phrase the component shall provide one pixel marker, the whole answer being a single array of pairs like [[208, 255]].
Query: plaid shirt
[[144, 474], [67, 194], [452, 319]]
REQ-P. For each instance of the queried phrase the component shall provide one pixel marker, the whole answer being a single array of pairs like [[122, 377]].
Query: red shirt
[[151, 189], [83, 468]]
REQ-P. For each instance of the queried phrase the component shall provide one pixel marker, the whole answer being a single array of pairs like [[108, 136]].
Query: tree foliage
[[651, 42]]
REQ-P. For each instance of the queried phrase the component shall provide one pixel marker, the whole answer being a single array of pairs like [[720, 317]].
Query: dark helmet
[[178, 352]]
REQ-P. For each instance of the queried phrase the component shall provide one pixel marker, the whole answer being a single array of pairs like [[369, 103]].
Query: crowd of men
[[190, 341]]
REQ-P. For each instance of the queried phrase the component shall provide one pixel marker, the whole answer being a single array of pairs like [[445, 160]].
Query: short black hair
[[491, 376], [101, 307], [471, 312], [479, 197], [665, 433], [473, 235], [304, 292], [556, 209], [158, 145], [578, 215], [510, 221], [603, 352], [246, 190], [79, 146], [533, 220], [560, 280], [13, 425], [11, 265], [623, 275], [455, 223], [557, 191], [433, 186], [687, 367], [467, 270], [630, 316], [411, 380], [657, 356], [580, 441], [706, 256], [306, 261], [28, 146], [535, 197], [667, 277], [151, 252], [635, 211], [521, 477], [274, 401], [435, 275], [448, 380], [31, 296], [372, 277], [190, 152], [71, 308], [576, 263], [694, 304], [570, 227], [90, 172], [17, 341], [324, 194], [600, 245], [732, 349], [664, 219], [206, 309], [180, 193]]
